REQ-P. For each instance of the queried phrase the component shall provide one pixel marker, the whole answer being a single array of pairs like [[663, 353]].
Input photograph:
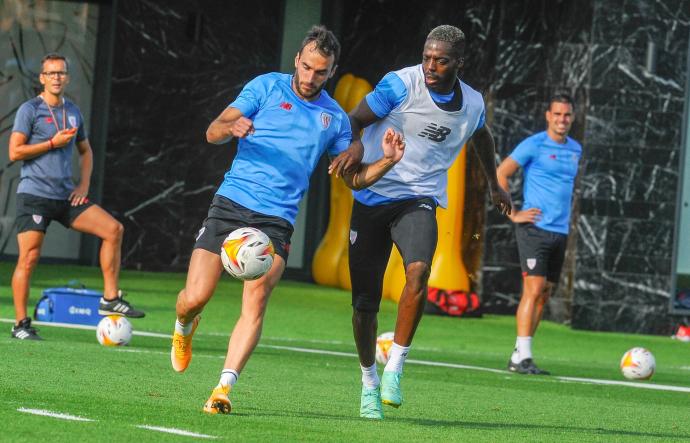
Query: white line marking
[[638, 385], [52, 414], [175, 431]]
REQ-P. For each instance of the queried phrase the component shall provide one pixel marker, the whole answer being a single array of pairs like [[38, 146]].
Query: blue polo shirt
[[271, 170], [549, 175], [50, 174]]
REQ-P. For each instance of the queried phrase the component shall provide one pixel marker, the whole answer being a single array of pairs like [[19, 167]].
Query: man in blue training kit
[[438, 113], [549, 160], [46, 130], [285, 123]]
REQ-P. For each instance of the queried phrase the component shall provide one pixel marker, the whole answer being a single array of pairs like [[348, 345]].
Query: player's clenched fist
[[242, 127]]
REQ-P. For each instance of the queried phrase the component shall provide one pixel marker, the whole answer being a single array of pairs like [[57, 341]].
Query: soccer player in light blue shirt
[[284, 124], [549, 160]]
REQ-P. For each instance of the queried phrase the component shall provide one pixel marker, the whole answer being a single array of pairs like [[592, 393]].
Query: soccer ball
[[247, 253], [114, 330], [384, 342], [638, 364]]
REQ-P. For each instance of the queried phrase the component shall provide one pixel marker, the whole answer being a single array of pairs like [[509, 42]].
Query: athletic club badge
[[531, 263], [353, 236], [72, 121], [37, 219], [325, 120]]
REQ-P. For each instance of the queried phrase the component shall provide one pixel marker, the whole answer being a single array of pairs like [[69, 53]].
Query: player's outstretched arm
[[349, 160], [230, 123], [483, 143], [393, 145]]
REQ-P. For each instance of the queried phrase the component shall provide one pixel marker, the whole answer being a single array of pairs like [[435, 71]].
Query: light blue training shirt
[[549, 175], [271, 170]]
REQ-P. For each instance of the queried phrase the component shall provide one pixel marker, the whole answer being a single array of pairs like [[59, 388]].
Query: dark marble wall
[[177, 65], [618, 271]]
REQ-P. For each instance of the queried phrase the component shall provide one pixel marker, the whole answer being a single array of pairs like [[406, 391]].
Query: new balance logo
[[435, 132]]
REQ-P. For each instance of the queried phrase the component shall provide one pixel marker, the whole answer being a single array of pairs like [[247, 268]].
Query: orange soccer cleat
[[218, 402], [181, 351]]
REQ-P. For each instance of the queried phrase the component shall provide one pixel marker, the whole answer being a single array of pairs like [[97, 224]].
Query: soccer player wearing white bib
[[284, 124], [437, 114], [549, 160]]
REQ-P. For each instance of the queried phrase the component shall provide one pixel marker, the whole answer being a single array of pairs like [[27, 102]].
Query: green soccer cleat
[[370, 404], [390, 389]]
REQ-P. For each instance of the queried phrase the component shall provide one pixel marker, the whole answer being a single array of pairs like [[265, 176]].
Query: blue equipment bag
[[69, 304]]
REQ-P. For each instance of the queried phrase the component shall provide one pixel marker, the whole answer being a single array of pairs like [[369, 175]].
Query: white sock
[[183, 329], [396, 358], [370, 378], [524, 345], [515, 356], [228, 377]]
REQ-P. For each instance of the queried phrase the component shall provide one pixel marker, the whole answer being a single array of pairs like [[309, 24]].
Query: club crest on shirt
[[37, 218], [72, 120], [325, 120], [531, 263], [353, 236]]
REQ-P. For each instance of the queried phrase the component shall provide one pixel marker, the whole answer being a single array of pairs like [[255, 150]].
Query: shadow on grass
[[459, 424]]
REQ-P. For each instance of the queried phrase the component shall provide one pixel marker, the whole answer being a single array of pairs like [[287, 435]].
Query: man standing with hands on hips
[[46, 130]]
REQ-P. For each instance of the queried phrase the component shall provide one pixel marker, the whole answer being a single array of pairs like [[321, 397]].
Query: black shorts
[[35, 213], [224, 216], [410, 224], [541, 252]]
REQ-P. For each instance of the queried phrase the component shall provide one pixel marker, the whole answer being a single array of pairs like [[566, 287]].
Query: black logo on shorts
[[435, 132]]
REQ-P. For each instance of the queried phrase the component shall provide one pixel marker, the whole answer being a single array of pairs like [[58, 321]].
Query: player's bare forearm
[[86, 162], [485, 148], [368, 174], [230, 123], [393, 147], [19, 150], [483, 143]]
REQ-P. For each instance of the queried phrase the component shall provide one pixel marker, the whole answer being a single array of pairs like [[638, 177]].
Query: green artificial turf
[[286, 395]]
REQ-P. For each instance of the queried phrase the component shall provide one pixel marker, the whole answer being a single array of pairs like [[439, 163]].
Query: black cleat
[[526, 366], [24, 331], [118, 306]]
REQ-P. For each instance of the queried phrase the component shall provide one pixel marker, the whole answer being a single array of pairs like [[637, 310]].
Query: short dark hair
[[54, 56], [325, 40], [562, 97], [450, 34]]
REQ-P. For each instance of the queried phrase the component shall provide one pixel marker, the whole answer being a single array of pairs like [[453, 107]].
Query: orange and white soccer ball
[[638, 364], [247, 253], [114, 330], [384, 342]]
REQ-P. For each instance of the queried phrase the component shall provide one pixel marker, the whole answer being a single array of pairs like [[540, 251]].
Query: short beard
[[299, 90]]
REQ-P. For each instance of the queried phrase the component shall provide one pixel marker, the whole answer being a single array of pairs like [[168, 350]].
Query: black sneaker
[[24, 331], [118, 306], [526, 366]]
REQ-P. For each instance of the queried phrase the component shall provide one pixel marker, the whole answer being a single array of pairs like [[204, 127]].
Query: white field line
[[174, 431], [638, 385], [52, 414]]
